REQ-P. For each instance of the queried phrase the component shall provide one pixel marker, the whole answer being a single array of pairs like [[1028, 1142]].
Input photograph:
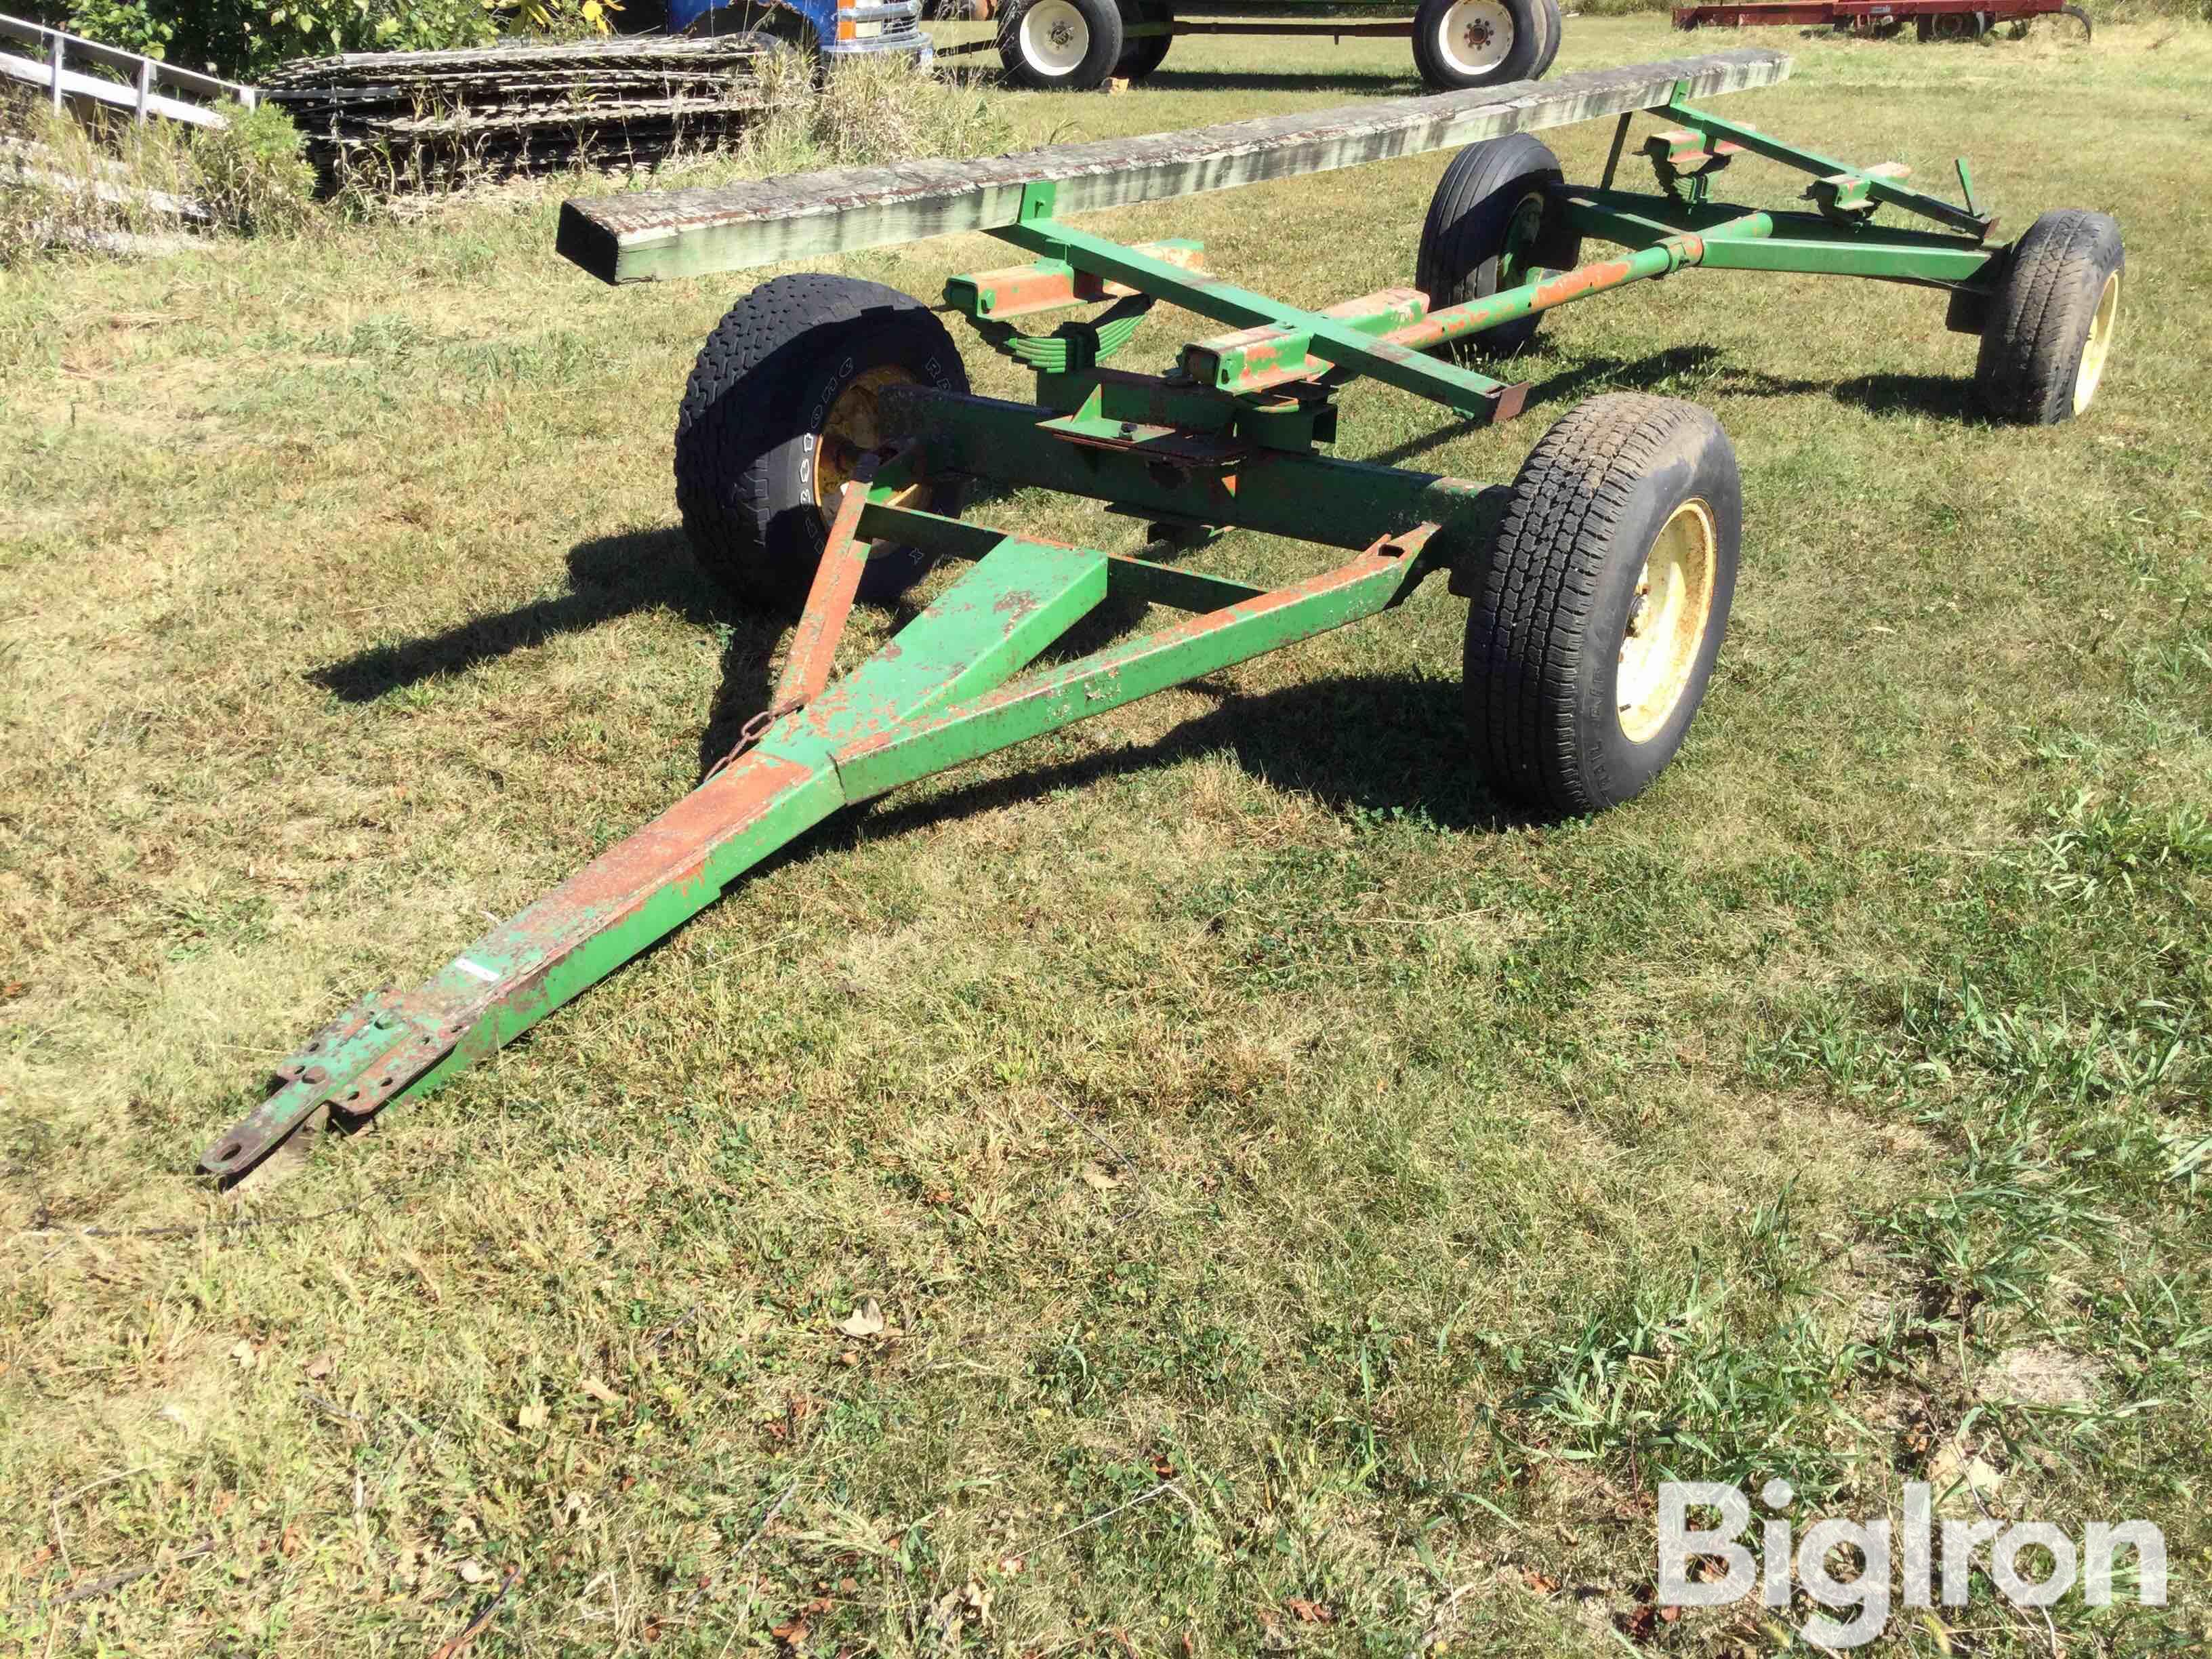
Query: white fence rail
[[148, 92]]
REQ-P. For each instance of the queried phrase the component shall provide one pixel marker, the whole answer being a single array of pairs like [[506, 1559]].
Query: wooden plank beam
[[649, 236]]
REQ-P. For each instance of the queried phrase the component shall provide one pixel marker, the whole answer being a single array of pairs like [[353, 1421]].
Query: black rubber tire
[[1464, 235], [1555, 28], [2038, 322], [1544, 634], [1102, 52], [745, 434], [1518, 65], [2088, 29], [1928, 27], [1141, 55]]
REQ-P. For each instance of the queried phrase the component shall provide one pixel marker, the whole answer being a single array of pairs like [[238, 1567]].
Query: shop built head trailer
[[828, 434]]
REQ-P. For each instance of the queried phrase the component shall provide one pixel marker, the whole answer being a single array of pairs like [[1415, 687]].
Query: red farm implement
[[828, 434], [1932, 20]]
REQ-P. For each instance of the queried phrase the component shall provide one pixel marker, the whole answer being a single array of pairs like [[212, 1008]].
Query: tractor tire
[[1489, 224], [1141, 55], [1604, 604], [2088, 29], [2050, 328], [1059, 45], [1477, 43], [780, 405]]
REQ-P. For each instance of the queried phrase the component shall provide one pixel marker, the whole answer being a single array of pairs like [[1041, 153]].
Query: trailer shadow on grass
[[1378, 744], [609, 576]]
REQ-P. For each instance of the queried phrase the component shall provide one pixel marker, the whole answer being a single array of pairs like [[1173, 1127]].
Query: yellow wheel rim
[[1667, 620], [849, 431], [2098, 345]]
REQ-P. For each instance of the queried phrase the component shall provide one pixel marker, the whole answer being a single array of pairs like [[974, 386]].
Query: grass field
[[1310, 1206]]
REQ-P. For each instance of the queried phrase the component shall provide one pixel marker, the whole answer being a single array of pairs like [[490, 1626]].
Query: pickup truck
[[836, 28]]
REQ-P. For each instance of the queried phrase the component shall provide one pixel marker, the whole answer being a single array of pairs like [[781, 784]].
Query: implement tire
[[1060, 45], [2050, 325], [1489, 225], [1477, 43], [1141, 55], [780, 405], [1604, 604]]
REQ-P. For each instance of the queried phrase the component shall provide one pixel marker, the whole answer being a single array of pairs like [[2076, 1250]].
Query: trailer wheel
[[1141, 55], [1060, 44], [2050, 325], [1592, 638], [1476, 42], [1951, 25], [780, 406], [1490, 225]]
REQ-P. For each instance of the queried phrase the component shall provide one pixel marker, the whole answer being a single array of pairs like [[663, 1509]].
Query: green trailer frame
[[1230, 439]]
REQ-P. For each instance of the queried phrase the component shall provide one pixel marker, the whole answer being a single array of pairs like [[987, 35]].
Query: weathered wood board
[[648, 236]]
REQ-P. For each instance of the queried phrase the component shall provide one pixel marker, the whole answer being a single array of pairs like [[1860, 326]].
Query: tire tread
[[1527, 636], [2032, 342]]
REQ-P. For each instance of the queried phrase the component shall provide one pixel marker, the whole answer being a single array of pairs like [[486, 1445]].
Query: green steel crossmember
[[1227, 362], [1381, 577], [1716, 129], [1740, 239], [1126, 577], [1307, 498], [869, 732], [1476, 396]]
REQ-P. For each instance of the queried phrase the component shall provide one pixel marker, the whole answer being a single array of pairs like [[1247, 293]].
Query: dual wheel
[[1078, 45], [1973, 25]]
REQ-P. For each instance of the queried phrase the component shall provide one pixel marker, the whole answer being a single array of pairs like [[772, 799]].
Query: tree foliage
[[242, 39]]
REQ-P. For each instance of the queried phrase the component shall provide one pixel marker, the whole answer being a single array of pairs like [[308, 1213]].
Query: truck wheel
[[1605, 601], [1490, 225], [780, 404], [1053, 45], [1476, 42], [2050, 325], [1141, 55]]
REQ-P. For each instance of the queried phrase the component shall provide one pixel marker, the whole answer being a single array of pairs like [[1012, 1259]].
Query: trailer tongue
[[828, 433]]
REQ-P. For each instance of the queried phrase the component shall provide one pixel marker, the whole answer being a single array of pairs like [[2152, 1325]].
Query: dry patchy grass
[[1311, 1209]]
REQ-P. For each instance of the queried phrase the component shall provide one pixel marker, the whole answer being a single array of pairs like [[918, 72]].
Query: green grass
[[1312, 1208]]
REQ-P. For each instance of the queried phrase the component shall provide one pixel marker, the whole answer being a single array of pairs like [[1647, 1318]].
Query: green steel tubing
[[1011, 605], [1381, 577], [1461, 390], [1310, 498], [1737, 238], [1718, 129], [935, 695]]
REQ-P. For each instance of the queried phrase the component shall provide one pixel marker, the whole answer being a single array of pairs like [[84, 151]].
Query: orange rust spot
[[674, 846], [1607, 273]]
